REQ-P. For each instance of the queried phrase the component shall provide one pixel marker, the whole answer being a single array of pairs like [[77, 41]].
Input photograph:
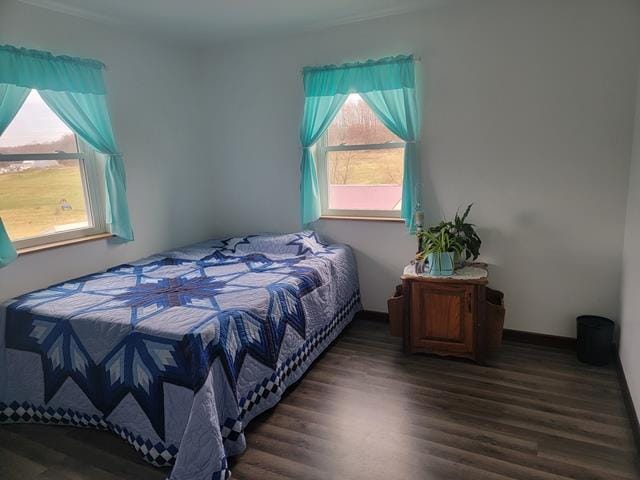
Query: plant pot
[[441, 264], [459, 261]]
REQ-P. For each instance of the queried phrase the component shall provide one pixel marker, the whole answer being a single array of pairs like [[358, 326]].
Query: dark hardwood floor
[[366, 411]]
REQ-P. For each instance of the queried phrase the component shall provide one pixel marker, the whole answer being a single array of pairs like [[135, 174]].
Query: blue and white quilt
[[177, 352]]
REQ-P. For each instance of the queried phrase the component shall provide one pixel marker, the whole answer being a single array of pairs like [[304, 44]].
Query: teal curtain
[[11, 99], [44, 71], [398, 111], [319, 111], [7, 253], [387, 85], [74, 89], [87, 115]]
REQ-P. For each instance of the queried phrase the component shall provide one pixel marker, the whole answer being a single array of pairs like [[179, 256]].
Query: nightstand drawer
[[442, 317], [445, 315]]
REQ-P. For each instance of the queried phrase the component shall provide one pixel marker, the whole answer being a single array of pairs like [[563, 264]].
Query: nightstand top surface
[[473, 273]]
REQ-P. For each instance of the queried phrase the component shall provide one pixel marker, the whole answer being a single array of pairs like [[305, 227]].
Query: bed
[[177, 352]]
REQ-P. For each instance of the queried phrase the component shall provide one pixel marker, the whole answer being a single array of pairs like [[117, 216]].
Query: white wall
[[528, 109], [155, 106], [630, 324], [528, 112]]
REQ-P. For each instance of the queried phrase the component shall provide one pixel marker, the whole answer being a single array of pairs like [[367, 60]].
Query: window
[[360, 164], [50, 186]]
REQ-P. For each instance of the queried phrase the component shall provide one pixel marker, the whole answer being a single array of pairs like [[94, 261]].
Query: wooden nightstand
[[446, 315]]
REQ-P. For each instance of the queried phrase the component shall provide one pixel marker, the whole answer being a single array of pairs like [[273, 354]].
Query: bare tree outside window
[[363, 161], [42, 184]]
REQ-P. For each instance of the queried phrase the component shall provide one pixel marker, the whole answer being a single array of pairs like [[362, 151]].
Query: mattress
[[177, 352]]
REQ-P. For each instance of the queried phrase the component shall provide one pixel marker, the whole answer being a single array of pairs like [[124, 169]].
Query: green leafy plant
[[463, 233], [439, 241]]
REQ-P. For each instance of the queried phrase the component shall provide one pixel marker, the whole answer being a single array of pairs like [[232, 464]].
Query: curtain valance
[[44, 71], [390, 73]]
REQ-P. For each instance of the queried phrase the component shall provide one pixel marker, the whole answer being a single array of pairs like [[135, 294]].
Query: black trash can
[[595, 339]]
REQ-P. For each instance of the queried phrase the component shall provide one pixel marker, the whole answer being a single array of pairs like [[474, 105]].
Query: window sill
[[362, 219], [63, 243]]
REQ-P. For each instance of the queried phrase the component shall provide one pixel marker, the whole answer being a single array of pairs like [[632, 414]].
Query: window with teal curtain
[[74, 89], [388, 86]]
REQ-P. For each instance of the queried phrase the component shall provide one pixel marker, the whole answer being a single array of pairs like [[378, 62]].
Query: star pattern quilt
[[177, 352]]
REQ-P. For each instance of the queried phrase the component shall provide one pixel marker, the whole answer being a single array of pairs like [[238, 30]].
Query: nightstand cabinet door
[[442, 318]]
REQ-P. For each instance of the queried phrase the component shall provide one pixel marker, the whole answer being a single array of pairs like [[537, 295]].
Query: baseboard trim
[[628, 402], [541, 339], [519, 336]]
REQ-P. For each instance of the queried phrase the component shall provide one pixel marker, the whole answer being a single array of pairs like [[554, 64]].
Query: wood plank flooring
[[367, 411]]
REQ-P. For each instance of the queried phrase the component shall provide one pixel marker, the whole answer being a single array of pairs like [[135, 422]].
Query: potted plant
[[464, 234], [439, 249]]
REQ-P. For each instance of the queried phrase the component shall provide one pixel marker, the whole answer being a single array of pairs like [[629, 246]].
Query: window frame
[[92, 177], [322, 148]]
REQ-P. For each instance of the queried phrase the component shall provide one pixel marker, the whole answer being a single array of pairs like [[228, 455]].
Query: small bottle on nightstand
[[419, 221]]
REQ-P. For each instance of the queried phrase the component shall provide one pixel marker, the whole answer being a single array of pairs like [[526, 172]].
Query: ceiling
[[216, 20]]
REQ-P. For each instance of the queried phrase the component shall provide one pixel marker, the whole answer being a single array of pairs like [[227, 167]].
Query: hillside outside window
[[50, 183], [360, 164]]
